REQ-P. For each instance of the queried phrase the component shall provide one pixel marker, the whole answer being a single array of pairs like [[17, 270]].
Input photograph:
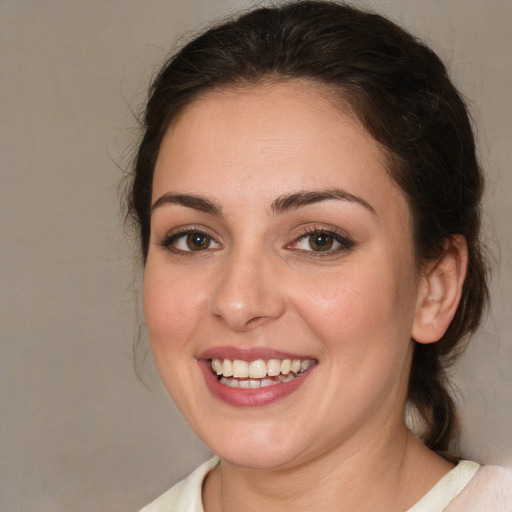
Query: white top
[[491, 490]]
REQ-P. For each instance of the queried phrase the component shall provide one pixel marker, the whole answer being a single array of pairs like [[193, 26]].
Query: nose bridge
[[247, 293]]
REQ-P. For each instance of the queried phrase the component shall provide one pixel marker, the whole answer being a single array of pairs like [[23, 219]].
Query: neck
[[391, 472]]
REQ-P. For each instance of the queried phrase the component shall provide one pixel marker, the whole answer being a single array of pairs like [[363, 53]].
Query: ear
[[440, 291]]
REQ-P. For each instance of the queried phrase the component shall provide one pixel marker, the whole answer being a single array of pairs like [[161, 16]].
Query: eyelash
[[168, 241], [344, 243]]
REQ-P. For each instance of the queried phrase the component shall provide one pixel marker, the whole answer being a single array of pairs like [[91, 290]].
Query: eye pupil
[[321, 242], [197, 241]]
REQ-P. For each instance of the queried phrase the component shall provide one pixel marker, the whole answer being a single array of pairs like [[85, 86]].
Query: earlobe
[[440, 291]]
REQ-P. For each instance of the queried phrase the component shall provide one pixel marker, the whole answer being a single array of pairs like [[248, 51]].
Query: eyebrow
[[189, 201], [281, 205], [304, 198]]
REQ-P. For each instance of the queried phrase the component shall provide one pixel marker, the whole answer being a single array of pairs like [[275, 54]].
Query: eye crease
[[321, 241], [316, 241], [189, 241]]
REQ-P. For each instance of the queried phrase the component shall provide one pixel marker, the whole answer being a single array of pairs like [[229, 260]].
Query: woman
[[308, 199]]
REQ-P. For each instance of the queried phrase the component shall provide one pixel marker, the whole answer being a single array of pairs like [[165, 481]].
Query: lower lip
[[243, 397]]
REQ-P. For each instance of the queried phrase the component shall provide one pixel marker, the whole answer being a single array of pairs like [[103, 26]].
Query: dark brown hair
[[400, 91]]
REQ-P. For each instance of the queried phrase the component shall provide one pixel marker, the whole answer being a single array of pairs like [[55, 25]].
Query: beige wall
[[78, 431]]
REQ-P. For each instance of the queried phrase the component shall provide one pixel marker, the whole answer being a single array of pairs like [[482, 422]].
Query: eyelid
[[169, 238], [342, 238]]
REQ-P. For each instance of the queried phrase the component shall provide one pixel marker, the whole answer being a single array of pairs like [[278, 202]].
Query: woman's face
[[277, 236]]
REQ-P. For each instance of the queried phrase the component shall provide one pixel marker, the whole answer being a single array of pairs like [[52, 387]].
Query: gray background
[[78, 430]]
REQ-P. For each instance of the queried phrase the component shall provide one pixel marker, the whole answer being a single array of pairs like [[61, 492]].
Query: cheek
[[171, 309], [359, 312]]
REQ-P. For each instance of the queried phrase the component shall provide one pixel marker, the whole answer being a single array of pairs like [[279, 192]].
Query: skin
[[259, 284]]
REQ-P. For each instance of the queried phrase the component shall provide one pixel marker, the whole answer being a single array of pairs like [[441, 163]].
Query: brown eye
[[321, 242], [198, 241], [190, 241]]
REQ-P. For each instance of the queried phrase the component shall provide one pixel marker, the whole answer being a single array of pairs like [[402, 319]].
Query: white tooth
[[244, 384], [273, 367], [240, 369], [257, 369], [217, 366], [304, 365], [232, 383], [295, 366], [227, 368], [267, 382], [289, 377], [254, 384], [286, 365]]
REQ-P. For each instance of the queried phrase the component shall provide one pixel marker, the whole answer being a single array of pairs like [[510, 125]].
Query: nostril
[[243, 323]]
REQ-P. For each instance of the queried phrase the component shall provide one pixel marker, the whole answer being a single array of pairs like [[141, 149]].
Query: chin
[[256, 448], [256, 459]]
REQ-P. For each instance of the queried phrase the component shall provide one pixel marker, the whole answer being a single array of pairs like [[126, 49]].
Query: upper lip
[[249, 354]]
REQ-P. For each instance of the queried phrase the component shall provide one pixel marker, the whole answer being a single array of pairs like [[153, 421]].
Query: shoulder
[[447, 488], [489, 489], [185, 496]]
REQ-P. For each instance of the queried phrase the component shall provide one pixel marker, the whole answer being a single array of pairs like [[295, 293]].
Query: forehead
[[276, 136]]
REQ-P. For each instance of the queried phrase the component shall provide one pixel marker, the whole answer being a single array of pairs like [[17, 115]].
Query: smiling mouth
[[237, 373]]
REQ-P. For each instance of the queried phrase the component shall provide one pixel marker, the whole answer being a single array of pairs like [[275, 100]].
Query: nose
[[248, 293]]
